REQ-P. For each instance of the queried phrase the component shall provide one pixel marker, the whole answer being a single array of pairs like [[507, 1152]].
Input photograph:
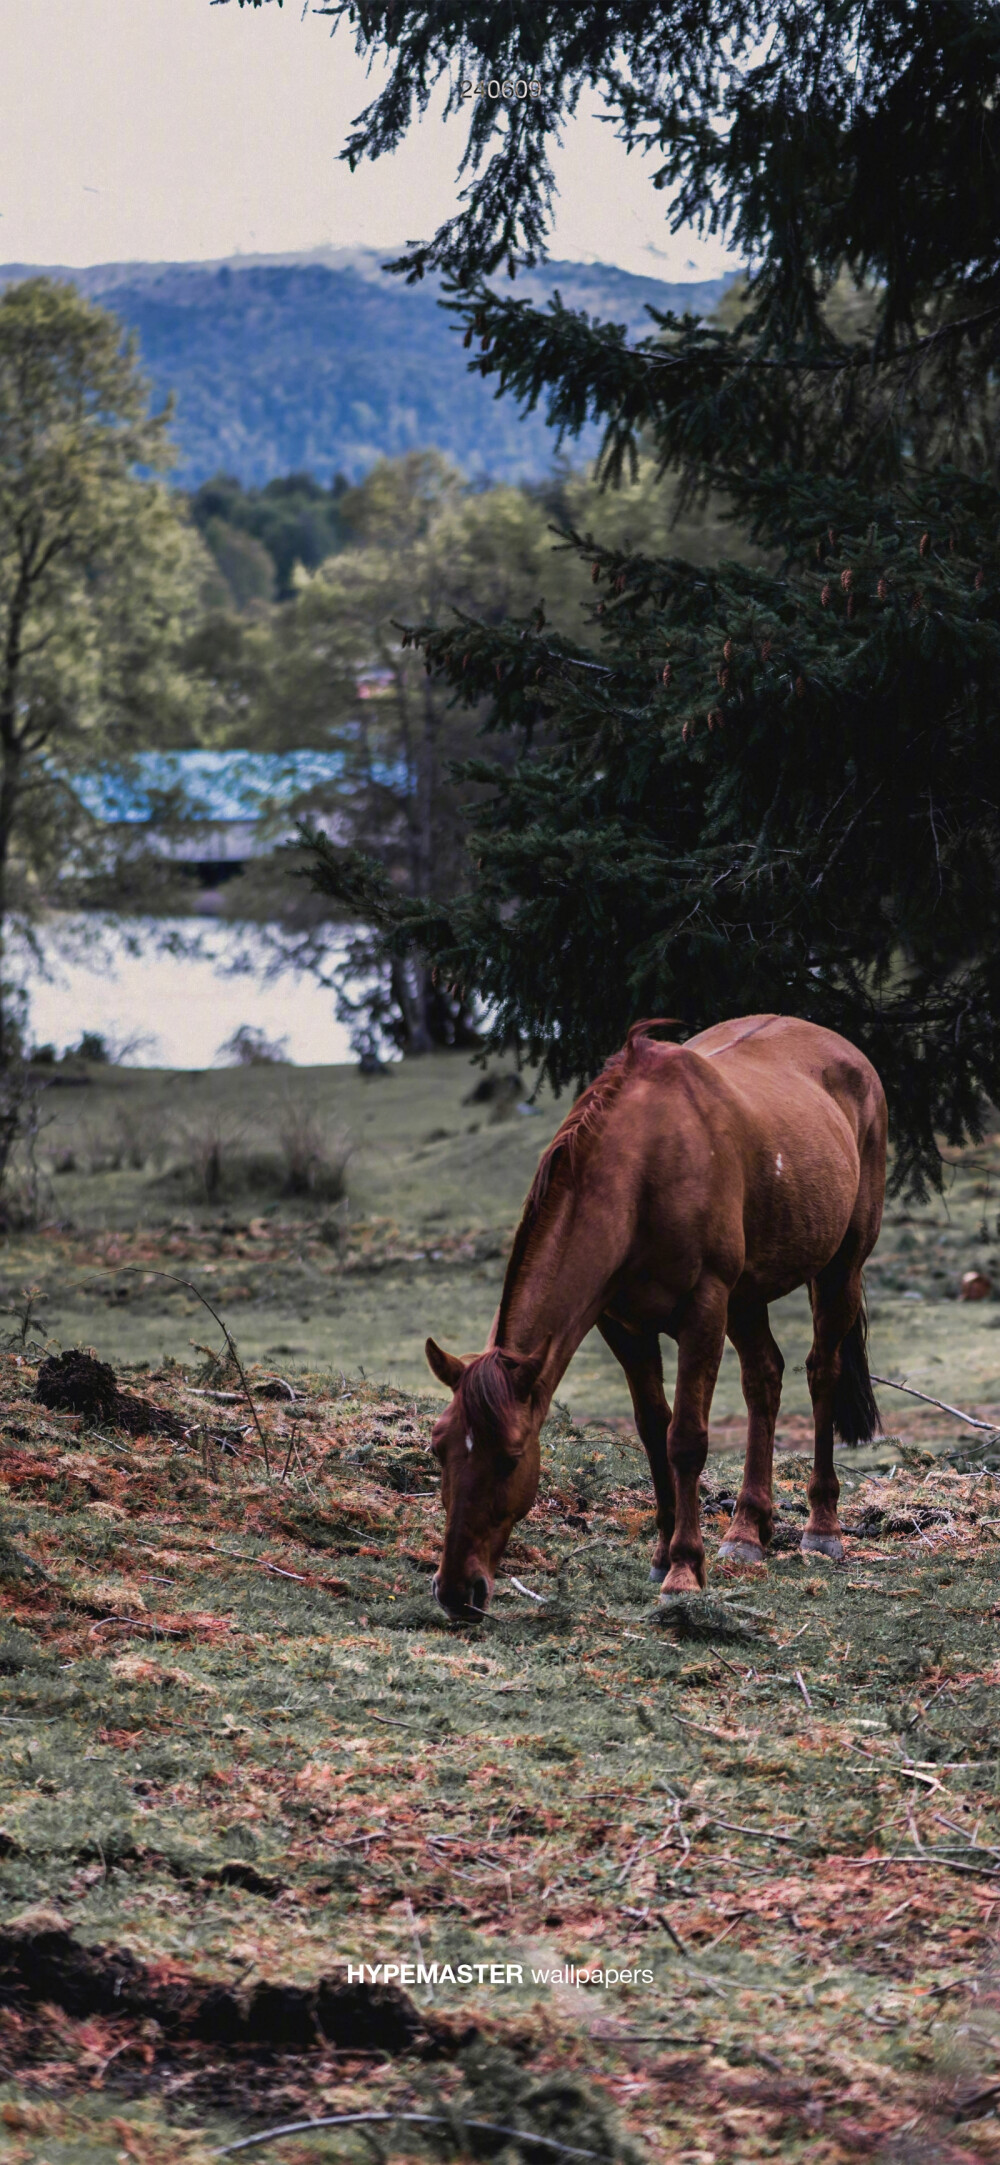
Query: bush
[[21, 1125], [314, 1162], [211, 1146], [249, 1047], [93, 1046], [133, 1136]]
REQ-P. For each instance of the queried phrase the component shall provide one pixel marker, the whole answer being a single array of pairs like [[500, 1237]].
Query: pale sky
[[173, 130]]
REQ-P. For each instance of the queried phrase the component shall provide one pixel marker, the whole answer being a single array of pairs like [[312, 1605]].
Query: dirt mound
[[47, 1965], [77, 1382]]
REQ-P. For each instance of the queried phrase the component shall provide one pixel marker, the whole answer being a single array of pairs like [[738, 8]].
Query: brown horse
[[688, 1187]]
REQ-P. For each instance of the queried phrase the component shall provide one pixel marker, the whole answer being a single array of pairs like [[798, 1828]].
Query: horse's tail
[[856, 1417]]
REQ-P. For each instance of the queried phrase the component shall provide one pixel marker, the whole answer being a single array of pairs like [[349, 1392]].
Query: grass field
[[240, 1748], [417, 1244]]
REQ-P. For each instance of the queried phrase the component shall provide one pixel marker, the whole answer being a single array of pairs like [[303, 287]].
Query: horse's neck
[[559, 1289]]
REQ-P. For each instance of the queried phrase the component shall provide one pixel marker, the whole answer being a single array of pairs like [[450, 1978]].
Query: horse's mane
[[580, 1122], [486, 1392]]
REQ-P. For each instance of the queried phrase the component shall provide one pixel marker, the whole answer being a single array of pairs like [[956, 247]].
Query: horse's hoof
[[741, 1552], [657, 1574], [680, 1579], [823, 1545]]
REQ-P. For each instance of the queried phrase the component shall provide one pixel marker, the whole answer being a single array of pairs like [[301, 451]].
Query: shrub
[[93, 1046], [134, 1135], [315, 1163], [249, 1047], [21, 1125], [210, 1145]]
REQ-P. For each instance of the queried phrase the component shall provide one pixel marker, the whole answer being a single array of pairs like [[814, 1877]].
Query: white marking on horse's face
[[468, 1439], [777, 1163]]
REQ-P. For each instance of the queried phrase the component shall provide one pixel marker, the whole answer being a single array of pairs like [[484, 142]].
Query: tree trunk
[[11, 754]]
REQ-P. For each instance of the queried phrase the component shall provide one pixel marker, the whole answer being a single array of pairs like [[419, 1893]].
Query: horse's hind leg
[[761, 1370], [836, 1305], [639, 1354]]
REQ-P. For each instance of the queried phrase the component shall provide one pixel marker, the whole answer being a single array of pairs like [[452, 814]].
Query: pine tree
[[771, 788]]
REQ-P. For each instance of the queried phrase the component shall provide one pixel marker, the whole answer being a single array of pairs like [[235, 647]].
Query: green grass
[[239, 1745], [418, 1243], [239, 1742]]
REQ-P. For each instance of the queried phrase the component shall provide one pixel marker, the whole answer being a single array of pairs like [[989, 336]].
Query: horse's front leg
[[639, 1353], [700, 1340]]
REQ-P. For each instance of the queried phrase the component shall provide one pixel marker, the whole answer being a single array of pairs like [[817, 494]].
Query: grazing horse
[[688, 1187]]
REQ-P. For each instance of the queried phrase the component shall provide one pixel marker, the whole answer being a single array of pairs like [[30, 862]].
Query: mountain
[[322, 362]]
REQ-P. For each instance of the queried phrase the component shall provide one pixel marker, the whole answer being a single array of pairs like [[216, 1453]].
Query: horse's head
[[486, 1442]]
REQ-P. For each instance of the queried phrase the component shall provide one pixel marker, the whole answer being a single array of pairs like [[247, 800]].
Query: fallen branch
[[414, 2119], [913, 1856], [969, 1418]]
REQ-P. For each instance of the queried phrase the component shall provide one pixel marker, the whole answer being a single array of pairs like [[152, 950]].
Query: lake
[[180, 1008]]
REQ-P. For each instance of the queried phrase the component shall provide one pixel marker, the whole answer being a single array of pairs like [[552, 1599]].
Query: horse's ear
[[525, 1369], [445, 1366]]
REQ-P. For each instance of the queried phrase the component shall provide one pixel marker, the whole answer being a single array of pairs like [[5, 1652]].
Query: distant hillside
[[323, 363]]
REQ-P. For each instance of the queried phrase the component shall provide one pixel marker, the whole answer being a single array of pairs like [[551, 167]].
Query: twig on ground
[[415, 1936], [137, 1270], [985, 1849], [802, 1688], [724, 1934], [765, 1834], [889, 1385], [525, 2135], [930, 1856], [680, 1944], [718, 1736]]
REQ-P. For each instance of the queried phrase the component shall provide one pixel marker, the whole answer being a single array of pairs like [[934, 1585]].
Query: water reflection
[[180, 1008]]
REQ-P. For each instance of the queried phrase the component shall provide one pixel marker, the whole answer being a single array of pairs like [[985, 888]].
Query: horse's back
[[773, 1061], [798, 1116]]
